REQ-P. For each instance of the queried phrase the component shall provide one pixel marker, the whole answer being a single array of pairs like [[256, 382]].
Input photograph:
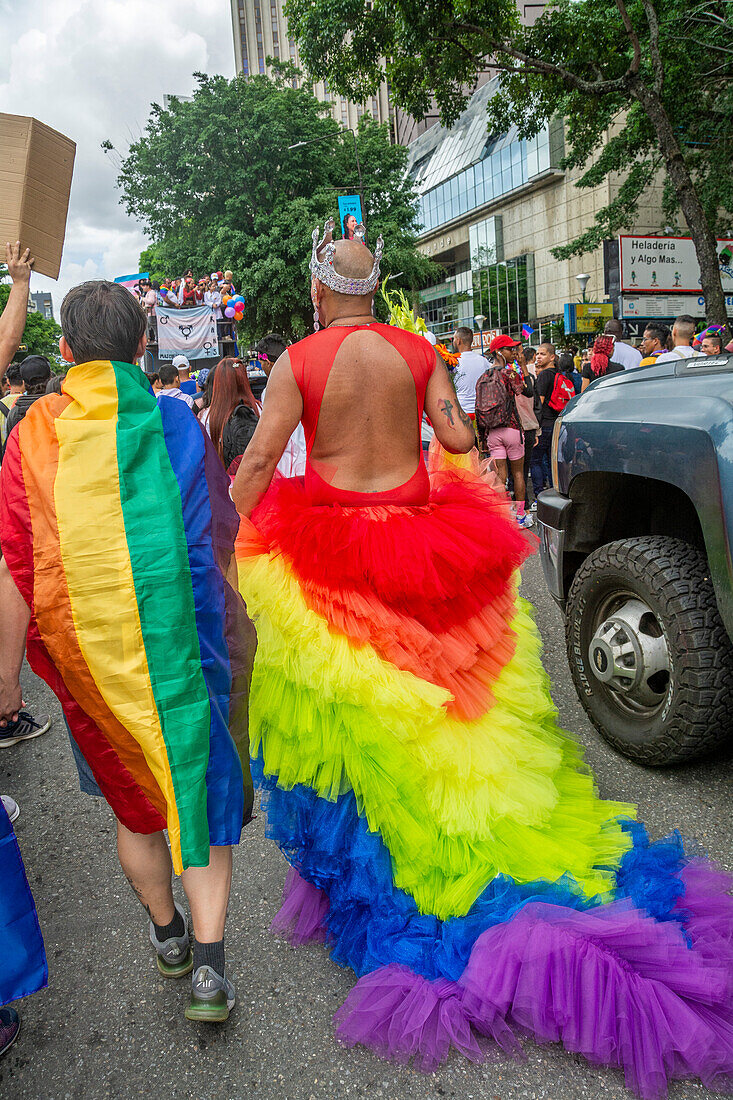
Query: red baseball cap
[[500, 342]]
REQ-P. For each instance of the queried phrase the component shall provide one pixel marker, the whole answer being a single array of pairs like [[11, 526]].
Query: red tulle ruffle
[[430, 588]]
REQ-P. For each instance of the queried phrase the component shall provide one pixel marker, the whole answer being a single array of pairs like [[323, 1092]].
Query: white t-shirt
[[292, 463], [213, 298], [470, 367], [625, 355], [179, 394], [683, 351]]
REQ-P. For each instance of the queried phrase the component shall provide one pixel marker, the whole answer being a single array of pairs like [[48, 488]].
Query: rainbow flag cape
[[445, 838], [23, 968], [117, 526]]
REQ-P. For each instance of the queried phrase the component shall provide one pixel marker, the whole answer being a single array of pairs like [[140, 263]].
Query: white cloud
[[91, 68]]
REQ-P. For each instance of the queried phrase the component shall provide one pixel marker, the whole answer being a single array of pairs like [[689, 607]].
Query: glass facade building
[[462, 175], [506, 164]]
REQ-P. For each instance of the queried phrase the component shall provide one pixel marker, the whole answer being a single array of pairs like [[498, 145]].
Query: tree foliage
[[40, 336], [216, 186], [642, 85]]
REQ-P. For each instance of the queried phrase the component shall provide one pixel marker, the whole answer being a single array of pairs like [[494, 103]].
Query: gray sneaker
[[212, 996], [12, 809], [24, 728], [174, 956]]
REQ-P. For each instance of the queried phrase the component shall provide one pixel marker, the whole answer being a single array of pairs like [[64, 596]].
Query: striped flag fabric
[[116, 524]]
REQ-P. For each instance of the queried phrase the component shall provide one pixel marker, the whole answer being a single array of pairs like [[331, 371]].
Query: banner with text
[[666, 306], [189, 332], [668, 264]]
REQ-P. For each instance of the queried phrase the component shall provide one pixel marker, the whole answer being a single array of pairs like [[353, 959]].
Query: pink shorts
[[506, 443]]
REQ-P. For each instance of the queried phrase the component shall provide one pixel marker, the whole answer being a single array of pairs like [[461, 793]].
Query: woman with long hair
[[349, 227], [233, 413]]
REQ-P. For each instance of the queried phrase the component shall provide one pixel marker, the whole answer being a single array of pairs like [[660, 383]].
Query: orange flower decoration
[[449, 358]]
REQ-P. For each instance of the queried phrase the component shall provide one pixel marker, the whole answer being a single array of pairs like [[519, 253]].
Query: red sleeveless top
[[311, 360]]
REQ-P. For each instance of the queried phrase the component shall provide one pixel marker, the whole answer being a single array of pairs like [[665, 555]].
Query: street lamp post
[[480, 321], [582, 281], [330, 137]]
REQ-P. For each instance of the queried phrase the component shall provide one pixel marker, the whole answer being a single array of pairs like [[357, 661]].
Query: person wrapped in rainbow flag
[[117, 532], [446, 840]]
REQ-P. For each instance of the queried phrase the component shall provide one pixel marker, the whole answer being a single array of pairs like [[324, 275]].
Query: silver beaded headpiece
[[325, 272]]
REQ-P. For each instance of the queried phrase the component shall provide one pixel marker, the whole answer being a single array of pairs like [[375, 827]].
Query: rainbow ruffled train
[[445, 839]]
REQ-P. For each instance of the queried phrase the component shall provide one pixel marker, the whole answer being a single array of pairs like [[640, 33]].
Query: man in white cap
[[186, 383]]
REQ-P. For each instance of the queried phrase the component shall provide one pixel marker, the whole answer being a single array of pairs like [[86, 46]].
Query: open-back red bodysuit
[[311, 361]]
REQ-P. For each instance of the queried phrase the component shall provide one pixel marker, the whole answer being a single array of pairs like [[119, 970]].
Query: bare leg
[[146, 862], [207, 890], [501, 470], [520, 489]]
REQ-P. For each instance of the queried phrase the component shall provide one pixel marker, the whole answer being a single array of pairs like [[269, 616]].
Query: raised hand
[[19, 266]]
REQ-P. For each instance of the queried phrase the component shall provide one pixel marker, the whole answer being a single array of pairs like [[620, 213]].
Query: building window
[[275, 30], [258, 34], [344, 113], [243, 38], [375, 108], [504, 293], [506, 165]]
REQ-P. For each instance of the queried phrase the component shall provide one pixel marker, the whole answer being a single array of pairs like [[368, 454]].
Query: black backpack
[[238, 430]]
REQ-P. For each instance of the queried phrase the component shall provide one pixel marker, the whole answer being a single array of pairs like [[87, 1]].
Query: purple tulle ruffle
[[300, 918], [610, 983]]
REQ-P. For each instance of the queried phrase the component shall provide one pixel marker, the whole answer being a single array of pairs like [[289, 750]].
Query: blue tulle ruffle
[[371, 923]]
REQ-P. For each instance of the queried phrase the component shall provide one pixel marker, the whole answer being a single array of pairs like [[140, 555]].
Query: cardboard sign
[[35, 182]]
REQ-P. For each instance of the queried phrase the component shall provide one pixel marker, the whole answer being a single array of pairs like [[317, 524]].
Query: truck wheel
[[650, 658]]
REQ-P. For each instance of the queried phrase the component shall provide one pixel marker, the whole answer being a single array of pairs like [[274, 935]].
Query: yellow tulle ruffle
[[456, 802]]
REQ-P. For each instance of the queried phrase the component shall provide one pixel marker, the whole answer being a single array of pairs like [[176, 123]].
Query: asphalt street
[[109, 1026]]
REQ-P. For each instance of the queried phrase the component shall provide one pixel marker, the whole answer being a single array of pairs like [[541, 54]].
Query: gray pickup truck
[[636, 549]]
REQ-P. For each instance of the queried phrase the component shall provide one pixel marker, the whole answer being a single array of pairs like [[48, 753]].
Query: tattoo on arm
[[464, 417], [447, 408]]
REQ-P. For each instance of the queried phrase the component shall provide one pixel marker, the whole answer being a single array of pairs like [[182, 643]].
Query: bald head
[[353, 260]]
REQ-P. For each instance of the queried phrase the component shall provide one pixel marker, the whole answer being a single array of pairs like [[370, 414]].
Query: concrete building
[[41, 302], [261, 31], [492, 207]]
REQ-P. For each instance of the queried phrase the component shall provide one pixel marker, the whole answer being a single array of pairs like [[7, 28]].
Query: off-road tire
[[673, 578]]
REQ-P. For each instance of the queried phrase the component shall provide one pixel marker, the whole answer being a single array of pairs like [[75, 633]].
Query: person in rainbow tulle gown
[[445, 839]]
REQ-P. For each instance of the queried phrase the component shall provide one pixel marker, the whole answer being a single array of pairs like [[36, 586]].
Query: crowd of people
[[445, 839], [216, 290], [516, 392]]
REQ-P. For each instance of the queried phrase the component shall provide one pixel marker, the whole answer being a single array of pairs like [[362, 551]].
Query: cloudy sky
[[91, 69]]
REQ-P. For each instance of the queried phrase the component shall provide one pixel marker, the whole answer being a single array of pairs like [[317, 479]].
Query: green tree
[[216, 186], [41, 337], [643, 85]]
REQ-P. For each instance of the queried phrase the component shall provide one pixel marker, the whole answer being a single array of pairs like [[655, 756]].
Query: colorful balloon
[[229, 312]]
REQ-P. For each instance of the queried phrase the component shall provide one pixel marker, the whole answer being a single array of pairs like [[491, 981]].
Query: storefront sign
[[666, 306], [668, 264], [587, 316]]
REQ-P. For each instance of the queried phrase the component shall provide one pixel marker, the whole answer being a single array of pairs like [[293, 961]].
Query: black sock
[[209, 954], [167, 931]]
